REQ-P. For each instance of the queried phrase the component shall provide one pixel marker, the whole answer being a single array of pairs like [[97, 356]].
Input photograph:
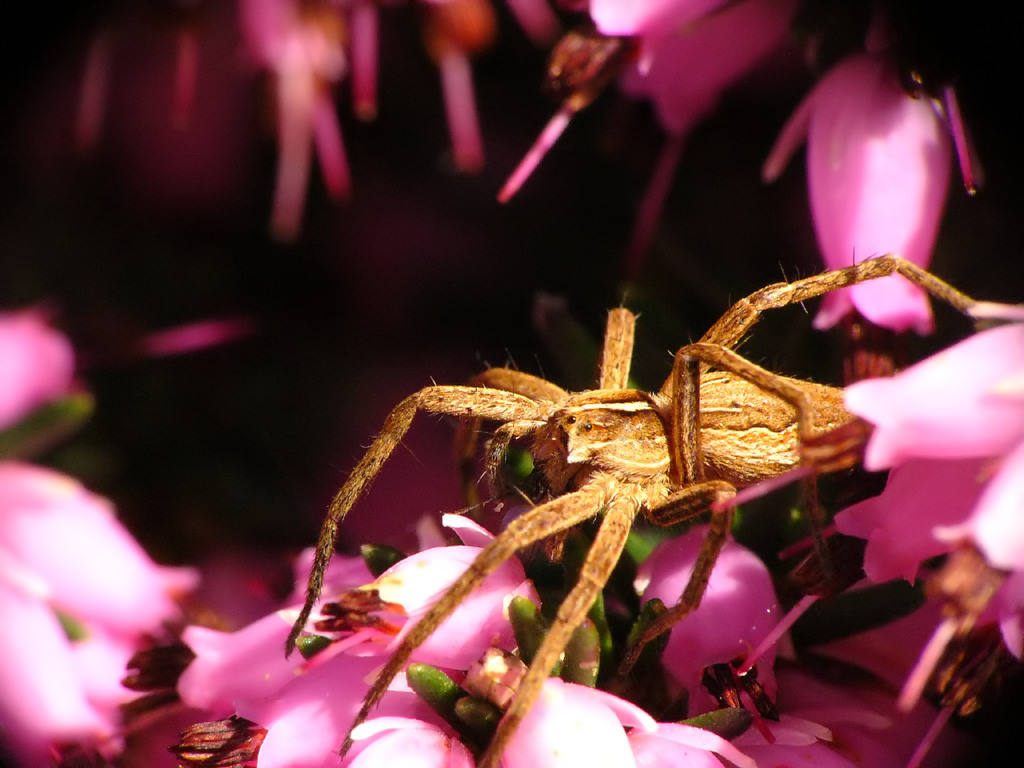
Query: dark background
[[421, 277]]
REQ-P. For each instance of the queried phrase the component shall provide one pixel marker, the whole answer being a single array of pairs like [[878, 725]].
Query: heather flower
[[572, 725], [878, 168], [301, 45], [685, 72], [38, 364], [78, 595], [963, 403], [418, 581], [653, 22], [673, 744], [737, 612], [407, 742]]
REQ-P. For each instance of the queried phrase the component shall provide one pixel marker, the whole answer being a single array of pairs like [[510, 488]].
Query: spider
[[718, 423]]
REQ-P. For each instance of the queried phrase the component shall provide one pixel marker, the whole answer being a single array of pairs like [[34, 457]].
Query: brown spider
[[718, 423]]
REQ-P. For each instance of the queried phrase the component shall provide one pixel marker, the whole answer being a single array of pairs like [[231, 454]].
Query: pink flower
[[308, 719], [653, 21], [878, 167], [250, 663], [901, 524], [965, 402], [406, 742], [572, 725], [685, 73], [302, 47], [675, 744], [738, 610], [77, 594], [38, 364], [418, 581]]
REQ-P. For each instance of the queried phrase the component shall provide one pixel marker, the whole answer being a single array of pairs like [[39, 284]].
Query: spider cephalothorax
[[718, 423]]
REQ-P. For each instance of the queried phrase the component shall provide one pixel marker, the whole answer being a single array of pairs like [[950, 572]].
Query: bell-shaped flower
[[406, 742], [964, 402], [878, 164], [480, 621], [738, 610], [571, 725], [901, 525], [38, 364], [652, 22], [301, 44], [685, 74]]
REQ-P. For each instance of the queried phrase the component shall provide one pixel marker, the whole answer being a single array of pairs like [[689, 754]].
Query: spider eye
[[571, 420], [588, 426]]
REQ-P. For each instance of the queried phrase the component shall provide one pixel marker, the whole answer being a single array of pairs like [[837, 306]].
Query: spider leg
[[617, 353], [600, 560], [468, 435], [497, 448], [682, 505], [734, 324], [532, 526], [452, 400]]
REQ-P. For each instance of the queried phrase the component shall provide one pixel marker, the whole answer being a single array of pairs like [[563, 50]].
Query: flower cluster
[[78, 594]]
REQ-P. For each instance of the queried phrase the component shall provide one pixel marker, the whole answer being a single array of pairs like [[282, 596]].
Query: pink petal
[[408, 742], [899, 525], [229, 666], [569, 727], [677, 744], [42, 698], [714, 52], [656, 18], [996, 525], [95, 570], [947, 406], [418, 581], [308, 719], [878, 169], [738, 609], [38, 364]]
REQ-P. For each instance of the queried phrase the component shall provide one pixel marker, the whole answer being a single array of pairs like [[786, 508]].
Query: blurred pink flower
[[301, 44], [738, 610], [878, 168], [962, 403], [38, 364], [78, 594], [652, 21], [685, 73]]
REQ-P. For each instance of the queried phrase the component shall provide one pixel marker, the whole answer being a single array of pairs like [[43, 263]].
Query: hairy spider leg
[[495, 404]]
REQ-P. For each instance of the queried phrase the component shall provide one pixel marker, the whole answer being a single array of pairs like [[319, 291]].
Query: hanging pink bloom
[[301, 45], [38, 364], [77, 594], [653, 22], [965, 402], [308, 719], [901, 525], [878, 167], [685, 75], [738, 609]]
